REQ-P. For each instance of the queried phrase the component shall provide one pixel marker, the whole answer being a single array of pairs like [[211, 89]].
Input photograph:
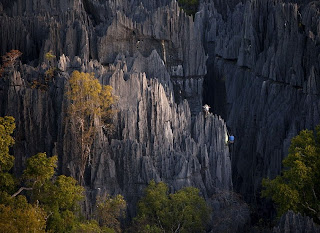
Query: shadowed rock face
[[263, 77], [261, 61], [291, 222]]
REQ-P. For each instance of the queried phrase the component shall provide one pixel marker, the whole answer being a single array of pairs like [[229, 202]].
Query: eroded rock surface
[[261, 61], [263, 77], [296, 223], [155, 138]]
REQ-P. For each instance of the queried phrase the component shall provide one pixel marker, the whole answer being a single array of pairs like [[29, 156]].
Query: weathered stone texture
[[155, 138], [265, 57], [296, 223], [261, 57]]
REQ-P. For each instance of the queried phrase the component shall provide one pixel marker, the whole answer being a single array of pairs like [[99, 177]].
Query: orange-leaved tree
[[9, 59]]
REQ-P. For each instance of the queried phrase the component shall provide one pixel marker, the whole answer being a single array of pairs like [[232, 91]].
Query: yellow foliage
[[49, 56], [38, 85], [84, 94], [50, 72], [25, 218], [88, 100]]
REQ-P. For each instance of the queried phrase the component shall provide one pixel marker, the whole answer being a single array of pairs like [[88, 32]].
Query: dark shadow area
[[214, 90]]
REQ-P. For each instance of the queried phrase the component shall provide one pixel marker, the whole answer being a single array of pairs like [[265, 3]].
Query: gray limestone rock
[[231, 213], [296, 223], [262, 63], [155, 138], [264, 74]]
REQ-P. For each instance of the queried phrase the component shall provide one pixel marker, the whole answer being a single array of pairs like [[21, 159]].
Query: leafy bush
[[298, 187], [183, 211], [189, 6]]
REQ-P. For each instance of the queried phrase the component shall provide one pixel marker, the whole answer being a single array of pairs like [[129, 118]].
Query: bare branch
[[178, 228], [314, 194], [20, 190], [309, 208]]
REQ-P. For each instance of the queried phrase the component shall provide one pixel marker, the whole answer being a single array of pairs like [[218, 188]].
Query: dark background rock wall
[[263, 77]]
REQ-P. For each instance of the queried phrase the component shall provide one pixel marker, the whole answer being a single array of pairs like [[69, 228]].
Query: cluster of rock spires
[[291, 222], [266, 69], [257, 63]]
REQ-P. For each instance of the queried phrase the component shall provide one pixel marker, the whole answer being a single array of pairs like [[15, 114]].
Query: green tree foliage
[[183, 211], [16, 214], [7, 127], [40, 168], [88, 100], [189, 6], [65, 193], [298, 187], [88, 227], [54, 201], [20, 216], [91, 226], [58, 196], [109, 212]]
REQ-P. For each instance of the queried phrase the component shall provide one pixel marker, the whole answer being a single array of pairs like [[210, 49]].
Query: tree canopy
[[40, 168], [20, 216], [189, 6], [58, 196], [298, 186], [7, 127], [88, 100], [16, 214], [41, 201], [50, 57], [110, 210], [50, 203], [9, 60], [183, 211]]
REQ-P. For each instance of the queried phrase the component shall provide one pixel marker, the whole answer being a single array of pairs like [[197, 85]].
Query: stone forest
[[160, 116]]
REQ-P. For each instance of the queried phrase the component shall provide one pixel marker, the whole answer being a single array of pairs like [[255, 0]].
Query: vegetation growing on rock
[[40, 201], [50, 57], [189, 6], [298, 187], [53, 200], [88, 100], [110, 210], [183, 211], [9, 60]]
